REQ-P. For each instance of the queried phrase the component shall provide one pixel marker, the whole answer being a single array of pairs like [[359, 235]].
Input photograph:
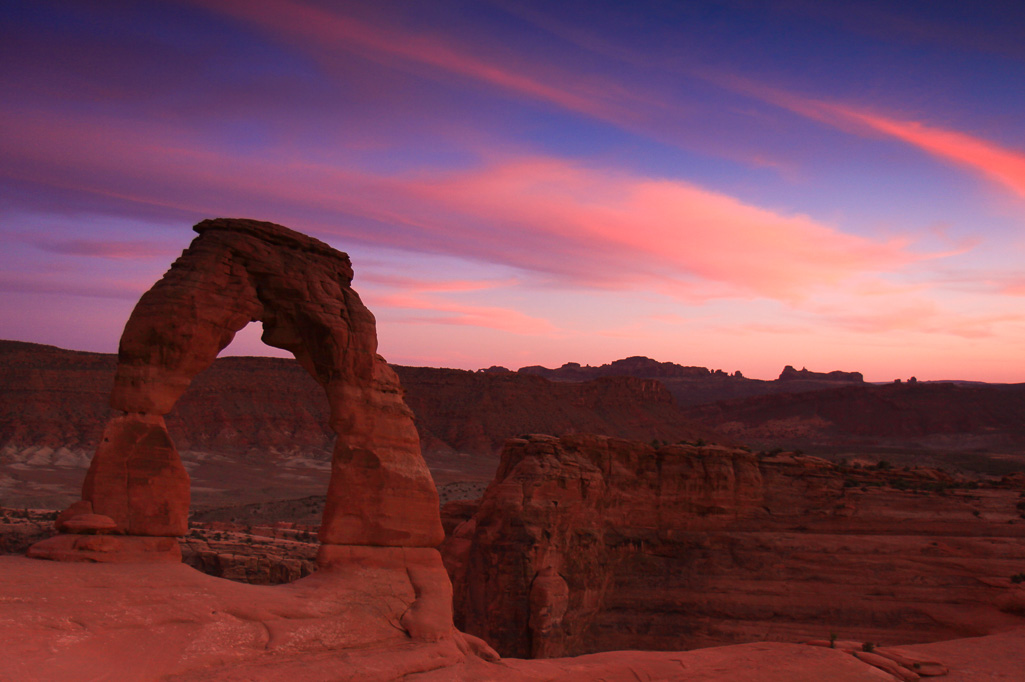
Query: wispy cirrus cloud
[[1002, 165], [434, 310], [61, 285], [326, 32], [100, 248], [439, 285], [999, 164]]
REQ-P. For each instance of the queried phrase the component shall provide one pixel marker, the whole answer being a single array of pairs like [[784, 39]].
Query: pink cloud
[[589, 227], [57, 283], [895, 315], [1014, 287], [1002, 165], [608, 228], [999, 164], [420, 285], [452, 313], [98, 248]]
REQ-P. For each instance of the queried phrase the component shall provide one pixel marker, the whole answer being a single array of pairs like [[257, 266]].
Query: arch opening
[[380, 492]]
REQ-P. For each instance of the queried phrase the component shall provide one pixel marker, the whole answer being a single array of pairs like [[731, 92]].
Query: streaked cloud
[[434, 310], [1002, 165], [60, 285], [332, 31], [97, 248], [581, 226]]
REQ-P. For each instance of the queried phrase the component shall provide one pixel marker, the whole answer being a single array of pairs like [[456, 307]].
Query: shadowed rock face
[[586, 543], [235, 272], [537, 565]]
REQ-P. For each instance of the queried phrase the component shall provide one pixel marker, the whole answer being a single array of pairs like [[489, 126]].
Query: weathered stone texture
[[235, 272]]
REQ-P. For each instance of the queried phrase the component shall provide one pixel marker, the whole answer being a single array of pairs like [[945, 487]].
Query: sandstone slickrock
[[95, 622], [236, 271], [682, 546]]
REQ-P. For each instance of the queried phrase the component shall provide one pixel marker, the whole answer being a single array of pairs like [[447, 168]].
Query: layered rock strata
[[535, 565], [585, 543]]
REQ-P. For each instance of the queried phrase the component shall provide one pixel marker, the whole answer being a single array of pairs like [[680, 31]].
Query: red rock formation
[[170, 622], [804, 374], [237, 271], [477, 411], [684, 547], [941, 416], [561, 511]]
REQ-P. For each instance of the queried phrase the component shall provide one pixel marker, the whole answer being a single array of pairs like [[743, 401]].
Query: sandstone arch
[[236, 271]]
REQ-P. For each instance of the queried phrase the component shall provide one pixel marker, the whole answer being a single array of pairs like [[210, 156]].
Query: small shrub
[[1018, 578], [868, 647], [832, 640]]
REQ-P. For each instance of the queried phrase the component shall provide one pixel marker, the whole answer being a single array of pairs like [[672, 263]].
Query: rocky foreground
[[171, 622]]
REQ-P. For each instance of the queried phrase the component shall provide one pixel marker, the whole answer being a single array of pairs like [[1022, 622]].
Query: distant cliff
[[791, 374], [585, 544], [697, 385], [268, 412]]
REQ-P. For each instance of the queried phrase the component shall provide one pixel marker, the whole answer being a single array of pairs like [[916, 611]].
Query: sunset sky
[[735, 184]]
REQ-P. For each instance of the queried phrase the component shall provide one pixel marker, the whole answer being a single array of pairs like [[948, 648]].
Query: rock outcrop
[[170, 622], [236, 271], [804, 374], [585, 544], [534, 566], [697, 385]]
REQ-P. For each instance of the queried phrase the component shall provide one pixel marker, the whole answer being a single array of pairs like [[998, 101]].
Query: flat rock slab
[[108, 549], [999, 657], [168, 621]]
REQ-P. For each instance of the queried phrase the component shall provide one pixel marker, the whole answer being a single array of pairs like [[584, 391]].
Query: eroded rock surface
[[684, 546], [162, 621], [535, 565]]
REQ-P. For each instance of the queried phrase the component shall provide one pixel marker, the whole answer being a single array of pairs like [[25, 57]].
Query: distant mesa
[[646, 368], [635, 366], [791, 374], [496, 369]]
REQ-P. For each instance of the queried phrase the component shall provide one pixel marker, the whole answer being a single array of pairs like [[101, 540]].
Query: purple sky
[[736, 184]]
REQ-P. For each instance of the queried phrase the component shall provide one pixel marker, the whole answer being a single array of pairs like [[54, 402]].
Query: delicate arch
[[234, 272]]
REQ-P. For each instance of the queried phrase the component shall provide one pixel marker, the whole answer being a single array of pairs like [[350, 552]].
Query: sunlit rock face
[[235, 272]]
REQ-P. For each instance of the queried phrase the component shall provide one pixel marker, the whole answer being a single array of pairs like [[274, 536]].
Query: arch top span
[[234, 272]]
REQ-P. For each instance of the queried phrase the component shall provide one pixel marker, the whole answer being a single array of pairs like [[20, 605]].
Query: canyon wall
[[586, 544]]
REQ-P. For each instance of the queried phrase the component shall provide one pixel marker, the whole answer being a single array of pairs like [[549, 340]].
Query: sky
[[732, 184]]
